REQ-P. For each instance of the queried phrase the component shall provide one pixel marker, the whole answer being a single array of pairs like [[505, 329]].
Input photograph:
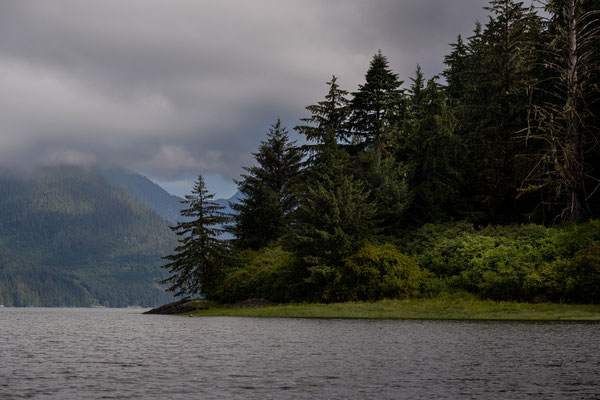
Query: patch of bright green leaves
[[528, 263]]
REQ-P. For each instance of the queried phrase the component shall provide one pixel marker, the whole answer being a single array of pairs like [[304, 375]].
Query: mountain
[[69, 237], [144, 190], [154, 197]]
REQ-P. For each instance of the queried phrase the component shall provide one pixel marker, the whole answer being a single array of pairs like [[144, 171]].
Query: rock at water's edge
[[253, 303], [179, 307]]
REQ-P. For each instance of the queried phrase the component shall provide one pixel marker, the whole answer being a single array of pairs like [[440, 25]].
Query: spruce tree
[[269, 191], [378, 107], [432, 154], [456, 71], [327, 116], [378, 110], [490, 88], [198, 262], [333, 220]]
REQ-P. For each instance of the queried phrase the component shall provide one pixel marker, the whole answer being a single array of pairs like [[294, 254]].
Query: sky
[[177, 88]]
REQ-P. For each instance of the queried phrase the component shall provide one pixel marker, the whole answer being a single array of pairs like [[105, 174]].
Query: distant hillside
[[153, 196], [143, 189], [68, 237]]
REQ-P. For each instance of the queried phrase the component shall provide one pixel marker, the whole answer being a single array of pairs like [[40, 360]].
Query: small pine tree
[[198, 262]]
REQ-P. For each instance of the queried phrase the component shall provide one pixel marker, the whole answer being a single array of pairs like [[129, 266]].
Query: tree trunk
[[574, 156]]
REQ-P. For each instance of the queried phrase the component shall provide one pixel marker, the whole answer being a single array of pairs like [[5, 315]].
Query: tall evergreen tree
[[490, 91], [432, 153], [269, 191], [456, 72], [198, 262], [333, 220], [335, 215], [378, 107]]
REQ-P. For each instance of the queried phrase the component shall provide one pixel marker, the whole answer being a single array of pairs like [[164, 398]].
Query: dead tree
[[562, 122]]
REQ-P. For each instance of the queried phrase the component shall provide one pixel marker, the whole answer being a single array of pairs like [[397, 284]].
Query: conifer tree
[[327, 116], [378, 110], [378, 107], [198, 262], [456, 73], [490, 82], [416, 93], [432, 154], [334, 217], [269, 191]]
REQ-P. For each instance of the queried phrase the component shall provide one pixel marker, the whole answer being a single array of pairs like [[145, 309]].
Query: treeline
[[509, 136]]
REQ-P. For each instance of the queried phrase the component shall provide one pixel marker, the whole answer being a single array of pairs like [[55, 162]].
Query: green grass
[[456, 306]]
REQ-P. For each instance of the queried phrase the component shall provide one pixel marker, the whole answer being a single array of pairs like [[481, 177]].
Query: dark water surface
[[116, 353]]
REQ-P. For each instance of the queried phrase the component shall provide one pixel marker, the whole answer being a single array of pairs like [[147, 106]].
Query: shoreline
[[452, 307]]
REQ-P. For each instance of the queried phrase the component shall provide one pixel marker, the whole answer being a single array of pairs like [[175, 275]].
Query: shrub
[[380, 272], [527, 262], [581, 276], [266, 273]]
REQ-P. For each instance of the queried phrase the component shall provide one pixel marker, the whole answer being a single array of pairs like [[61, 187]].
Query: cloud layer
[[181, 87]]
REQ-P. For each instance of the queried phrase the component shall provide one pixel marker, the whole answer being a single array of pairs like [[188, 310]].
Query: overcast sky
[[177, 88]]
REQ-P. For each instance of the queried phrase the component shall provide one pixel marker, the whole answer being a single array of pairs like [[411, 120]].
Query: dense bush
[[523, 263], [375, 273], [528, 262], [580, 276], [266, 273]]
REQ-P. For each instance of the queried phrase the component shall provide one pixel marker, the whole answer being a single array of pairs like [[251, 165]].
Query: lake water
[[116, 353]]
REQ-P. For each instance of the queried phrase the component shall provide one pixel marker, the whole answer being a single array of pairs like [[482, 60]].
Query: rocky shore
[[179, 307]]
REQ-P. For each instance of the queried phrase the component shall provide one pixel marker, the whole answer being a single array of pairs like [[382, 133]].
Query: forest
[[68, 237], [483, 179]]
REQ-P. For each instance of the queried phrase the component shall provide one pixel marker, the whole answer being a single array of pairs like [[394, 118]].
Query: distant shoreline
[[449, 307]]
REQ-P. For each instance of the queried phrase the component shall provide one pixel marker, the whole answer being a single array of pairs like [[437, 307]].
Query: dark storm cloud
[[175, 88]]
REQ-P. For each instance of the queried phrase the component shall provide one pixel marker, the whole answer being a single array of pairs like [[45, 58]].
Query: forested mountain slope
[[68, 237], [152, 195], [147, 192]]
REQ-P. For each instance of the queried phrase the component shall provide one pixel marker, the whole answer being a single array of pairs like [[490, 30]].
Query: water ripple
[[93, 354]]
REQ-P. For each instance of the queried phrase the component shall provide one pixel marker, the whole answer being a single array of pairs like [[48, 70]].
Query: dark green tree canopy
[[378, 107], [269, 191], [329, 116], [334, 217]]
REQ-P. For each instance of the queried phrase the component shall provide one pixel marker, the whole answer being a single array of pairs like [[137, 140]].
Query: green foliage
[[381, 164], [267, 274], [580, 277], [269, 192], [199, 261], [528, 262], [431, 153], [378, 107], [375, 273], [333, 220]]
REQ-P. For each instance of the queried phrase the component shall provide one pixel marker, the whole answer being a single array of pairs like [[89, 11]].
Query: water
[[116, 353]]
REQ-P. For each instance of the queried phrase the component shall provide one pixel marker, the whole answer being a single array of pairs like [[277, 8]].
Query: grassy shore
[[450, 307]]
